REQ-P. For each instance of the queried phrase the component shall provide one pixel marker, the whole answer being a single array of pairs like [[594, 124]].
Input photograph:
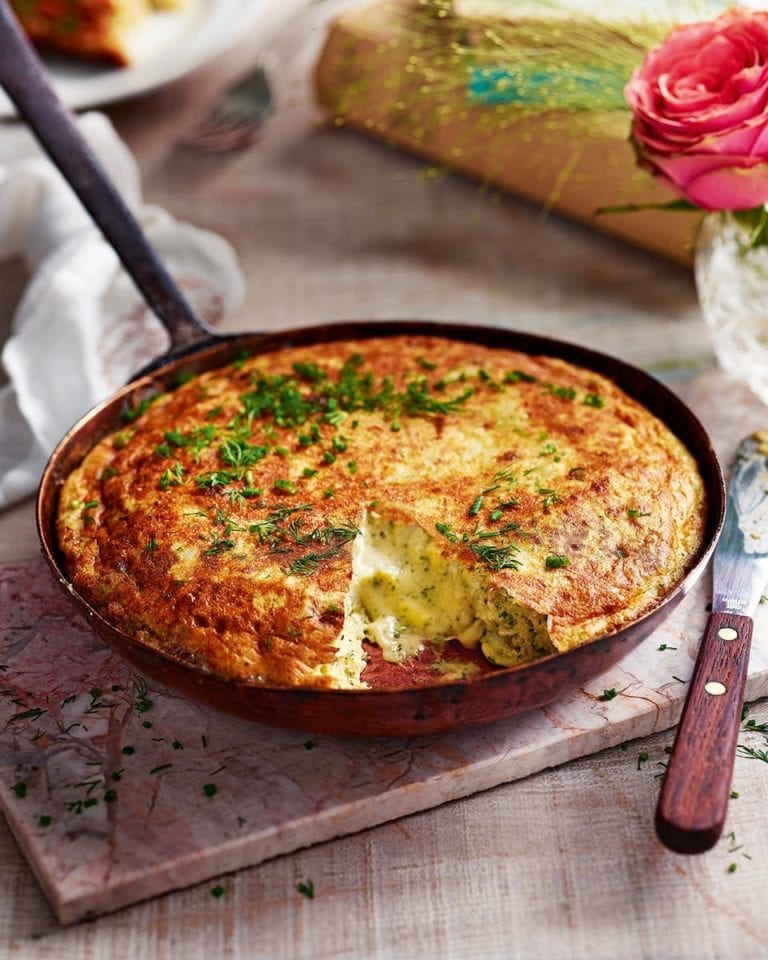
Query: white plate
[[164, 47]]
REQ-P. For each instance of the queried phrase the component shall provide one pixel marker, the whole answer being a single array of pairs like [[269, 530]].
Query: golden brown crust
[[543, 477]]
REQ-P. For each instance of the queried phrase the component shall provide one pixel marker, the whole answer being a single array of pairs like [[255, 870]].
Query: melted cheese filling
[[405, 593]]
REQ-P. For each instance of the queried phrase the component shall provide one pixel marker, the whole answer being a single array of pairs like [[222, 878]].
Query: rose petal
[[715, 182]]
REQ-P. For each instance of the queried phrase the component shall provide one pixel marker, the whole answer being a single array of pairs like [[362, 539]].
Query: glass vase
[[732, 285]]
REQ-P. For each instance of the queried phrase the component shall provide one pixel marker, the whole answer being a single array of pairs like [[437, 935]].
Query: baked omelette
[[294, 516]]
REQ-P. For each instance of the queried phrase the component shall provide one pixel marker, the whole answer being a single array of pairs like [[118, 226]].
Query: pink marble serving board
[[117, 791]]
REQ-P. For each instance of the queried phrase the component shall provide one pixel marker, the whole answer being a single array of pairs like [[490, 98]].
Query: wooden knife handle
[[694, 796]]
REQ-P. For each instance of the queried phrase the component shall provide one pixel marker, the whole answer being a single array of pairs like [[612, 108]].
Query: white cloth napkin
[[82, 329]]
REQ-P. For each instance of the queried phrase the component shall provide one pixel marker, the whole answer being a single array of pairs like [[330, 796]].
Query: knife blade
[[694, 797]]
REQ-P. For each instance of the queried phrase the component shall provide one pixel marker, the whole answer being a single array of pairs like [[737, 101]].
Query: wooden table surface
[[564, 864]]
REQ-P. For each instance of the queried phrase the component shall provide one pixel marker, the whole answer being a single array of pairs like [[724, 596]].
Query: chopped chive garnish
[[476, 507]]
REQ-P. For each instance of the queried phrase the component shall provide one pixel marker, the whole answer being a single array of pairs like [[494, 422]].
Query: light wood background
[[564, 864]]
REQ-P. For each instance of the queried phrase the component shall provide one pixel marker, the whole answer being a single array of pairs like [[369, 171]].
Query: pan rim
[[501, 337]]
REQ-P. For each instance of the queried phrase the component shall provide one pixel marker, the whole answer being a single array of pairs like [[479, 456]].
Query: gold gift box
[[373, 75]]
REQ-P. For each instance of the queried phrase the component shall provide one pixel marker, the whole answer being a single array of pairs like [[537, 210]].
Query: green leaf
[[755, 223]]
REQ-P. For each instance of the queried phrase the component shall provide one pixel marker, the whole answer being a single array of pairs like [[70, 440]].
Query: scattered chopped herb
[[310, 562], [476, 507], [426, 364], [141, 695], [240, 357], [161, 768], [352, 466], [133, 412], [306, 888], [127, 751], [732, 867], [218, 545], [306, 439], [308, 745], [285, 486], [506, 475], [215, 478], [110, 795], [608, 694], [34, 714], [594, 400], [309, 472], [177, 745], [151, 545], [496, 557], [90, 504], [549, 497], [556, 560], [45, 820], [734, 794], [754, 727], [517, 376], [753, 753], [309, 371], [445, 529], [564, 393], [634, 514], [237, 452], [179, 379], [217, 891], [642, 757], [209, 789], [666, 646], [20, 789], [172, 477]]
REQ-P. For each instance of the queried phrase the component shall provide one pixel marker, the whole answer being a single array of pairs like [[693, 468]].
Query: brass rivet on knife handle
[[694, 796]]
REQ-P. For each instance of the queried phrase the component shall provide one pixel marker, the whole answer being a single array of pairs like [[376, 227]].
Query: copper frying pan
[[387, 710]]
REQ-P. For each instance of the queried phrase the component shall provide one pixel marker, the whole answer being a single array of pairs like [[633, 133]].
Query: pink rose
[[700, 104]]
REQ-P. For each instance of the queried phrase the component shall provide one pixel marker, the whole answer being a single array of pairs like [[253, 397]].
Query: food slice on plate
[[94, 29]]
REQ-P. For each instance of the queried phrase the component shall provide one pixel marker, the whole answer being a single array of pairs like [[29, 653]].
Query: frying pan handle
[[694, 797], [23, 78]]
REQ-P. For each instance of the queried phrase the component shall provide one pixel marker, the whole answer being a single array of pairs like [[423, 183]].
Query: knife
[[694, 797]]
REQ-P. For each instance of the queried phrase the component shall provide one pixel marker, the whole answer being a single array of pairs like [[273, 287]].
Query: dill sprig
[[292, 400], [497, 557]]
